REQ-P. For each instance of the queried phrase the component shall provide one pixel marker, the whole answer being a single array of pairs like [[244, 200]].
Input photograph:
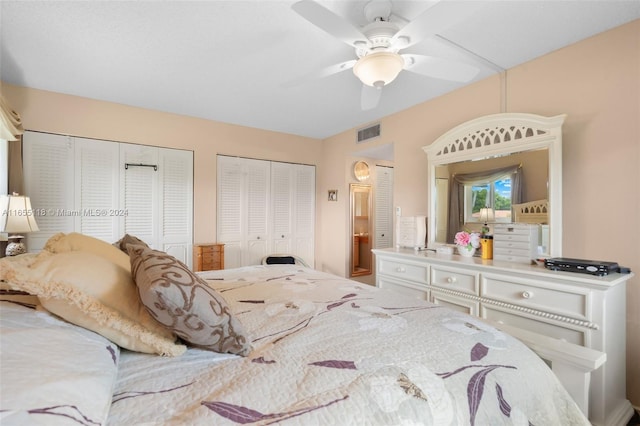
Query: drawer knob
[[527, 294], [400, 269], [451, 280]]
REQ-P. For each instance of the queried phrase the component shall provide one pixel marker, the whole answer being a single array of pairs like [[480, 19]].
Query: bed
[[531, 212], [294, 346]]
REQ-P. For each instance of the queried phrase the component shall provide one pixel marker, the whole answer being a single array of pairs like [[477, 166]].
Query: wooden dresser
[[585, 311], [208, 257]]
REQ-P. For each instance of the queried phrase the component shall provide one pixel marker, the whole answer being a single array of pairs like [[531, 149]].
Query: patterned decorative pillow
[[124, 242], [185, 304]]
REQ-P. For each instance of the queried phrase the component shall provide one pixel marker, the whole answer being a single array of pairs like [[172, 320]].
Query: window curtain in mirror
[[11, 130], [456, 191]]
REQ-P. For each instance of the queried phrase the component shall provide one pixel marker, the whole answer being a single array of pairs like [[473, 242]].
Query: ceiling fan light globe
[[378, 69]]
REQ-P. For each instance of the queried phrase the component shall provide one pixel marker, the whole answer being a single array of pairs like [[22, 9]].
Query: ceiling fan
[[377, 45]]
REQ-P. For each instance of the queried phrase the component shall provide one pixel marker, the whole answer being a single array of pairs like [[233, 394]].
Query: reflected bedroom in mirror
[[475, 195], [361, 207]]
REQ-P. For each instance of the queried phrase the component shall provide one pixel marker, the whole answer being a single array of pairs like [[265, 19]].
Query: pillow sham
[[53, 372], [74, 241], [92, 292], [185, 304]]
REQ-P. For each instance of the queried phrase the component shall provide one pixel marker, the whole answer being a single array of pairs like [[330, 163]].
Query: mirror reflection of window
[[495, 194]]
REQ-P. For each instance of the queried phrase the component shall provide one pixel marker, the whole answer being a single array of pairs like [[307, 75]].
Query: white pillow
[[53, 372]]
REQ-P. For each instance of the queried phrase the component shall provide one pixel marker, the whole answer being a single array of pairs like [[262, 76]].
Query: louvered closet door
[[176, 203], [243, 203], [96, 188], [384, 207], [258, 184], [230, 193], [139, 193], [282, 180], [304, 212], [49, 182]]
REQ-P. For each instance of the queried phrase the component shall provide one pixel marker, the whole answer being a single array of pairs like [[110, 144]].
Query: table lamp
[[16, 217], [487, 214]]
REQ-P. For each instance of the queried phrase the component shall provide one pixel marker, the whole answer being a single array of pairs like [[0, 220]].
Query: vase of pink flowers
[[467, 243]]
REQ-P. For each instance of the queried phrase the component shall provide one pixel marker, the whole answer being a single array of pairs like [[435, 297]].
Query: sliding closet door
[[105, 189], [264, 207], [49, 172]]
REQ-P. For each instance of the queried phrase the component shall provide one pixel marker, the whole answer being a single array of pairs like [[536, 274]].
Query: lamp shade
[[16, 214], [487, 214], [378, 69]]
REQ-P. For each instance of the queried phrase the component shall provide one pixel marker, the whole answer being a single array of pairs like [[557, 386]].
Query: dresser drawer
[[211, 249], [460, 304], [524, 238], [455, 279], [512, 245], [404, 270], [549, 328], [512, 258], [516, 230], [567, 301], [512, 255], [418, 291]]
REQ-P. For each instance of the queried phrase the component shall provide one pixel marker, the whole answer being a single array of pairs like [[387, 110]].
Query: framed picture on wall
[[333, 195]]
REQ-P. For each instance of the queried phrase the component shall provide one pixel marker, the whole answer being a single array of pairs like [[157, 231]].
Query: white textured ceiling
[[230, 61]]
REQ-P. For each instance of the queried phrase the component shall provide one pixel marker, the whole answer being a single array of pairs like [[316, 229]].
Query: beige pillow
[[185, 304], [62, 243], [90, 291]]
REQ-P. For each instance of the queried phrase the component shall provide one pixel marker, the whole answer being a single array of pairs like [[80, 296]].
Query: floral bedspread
[[330, 351]]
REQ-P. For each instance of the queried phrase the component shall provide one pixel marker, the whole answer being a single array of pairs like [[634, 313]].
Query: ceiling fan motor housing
[[379, 34]]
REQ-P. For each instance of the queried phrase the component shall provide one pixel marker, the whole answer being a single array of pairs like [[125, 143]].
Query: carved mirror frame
[[498, 135]]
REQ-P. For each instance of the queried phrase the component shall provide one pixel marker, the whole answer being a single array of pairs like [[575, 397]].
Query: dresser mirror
[[361, 205], [520, 143]]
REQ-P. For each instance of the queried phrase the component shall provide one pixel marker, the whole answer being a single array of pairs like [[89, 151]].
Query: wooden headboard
[[531, 212]]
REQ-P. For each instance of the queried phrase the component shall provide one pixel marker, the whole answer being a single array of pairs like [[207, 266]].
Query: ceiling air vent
[[368, 133]]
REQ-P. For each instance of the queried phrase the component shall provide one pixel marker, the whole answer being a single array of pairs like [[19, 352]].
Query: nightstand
[[208, 257]]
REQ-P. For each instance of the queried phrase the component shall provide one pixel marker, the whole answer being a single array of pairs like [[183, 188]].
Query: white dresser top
[[512, 267]]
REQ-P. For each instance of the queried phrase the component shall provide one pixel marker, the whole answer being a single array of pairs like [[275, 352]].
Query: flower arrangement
[[470, 240]]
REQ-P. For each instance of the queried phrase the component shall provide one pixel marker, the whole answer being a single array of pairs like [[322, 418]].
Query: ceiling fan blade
[[321, 73], [438, 17], [328, 21], [370, 97], [441, 68]]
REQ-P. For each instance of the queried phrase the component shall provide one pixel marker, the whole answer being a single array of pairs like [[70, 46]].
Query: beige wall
[[56, 113], [596, 82]]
